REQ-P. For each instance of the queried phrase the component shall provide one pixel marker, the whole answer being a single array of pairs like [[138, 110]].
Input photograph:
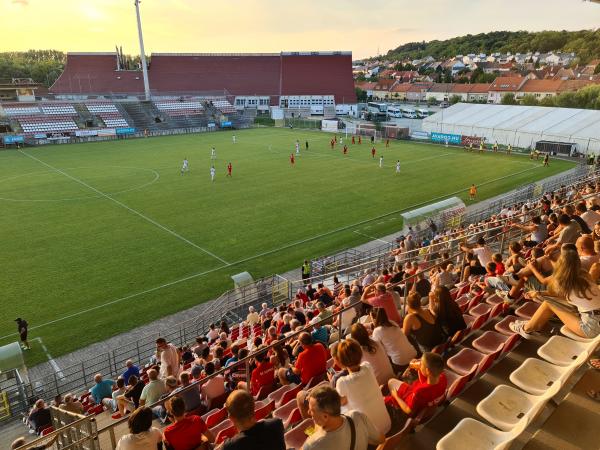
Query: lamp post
[[142, 51]]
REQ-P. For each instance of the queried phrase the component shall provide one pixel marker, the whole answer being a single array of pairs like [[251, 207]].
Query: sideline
[[50, 359], [123, 205], [372, 237]]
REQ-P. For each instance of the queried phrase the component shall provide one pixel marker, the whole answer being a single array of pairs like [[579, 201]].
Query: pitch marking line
[[123, 205], [285, 247], [372, 237], [50, 359]]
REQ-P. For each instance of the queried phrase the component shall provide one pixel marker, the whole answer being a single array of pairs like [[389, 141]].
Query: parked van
[[409, 113]]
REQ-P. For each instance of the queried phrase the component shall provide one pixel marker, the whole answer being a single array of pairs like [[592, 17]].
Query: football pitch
[[100, 238]]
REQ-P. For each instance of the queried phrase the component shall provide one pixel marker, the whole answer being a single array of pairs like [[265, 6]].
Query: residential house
[[381, 91], [471, 92], [399, 90], [504, 85], [440, 92], [457, 67], [367, 86], [539, 88], [418, 92]]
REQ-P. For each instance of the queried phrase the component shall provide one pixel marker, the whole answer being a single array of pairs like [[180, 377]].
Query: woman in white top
[[359, 389], [393, 340], [142, 435], [373, 353], [572, 296]]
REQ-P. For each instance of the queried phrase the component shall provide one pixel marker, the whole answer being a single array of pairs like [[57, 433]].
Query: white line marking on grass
[[276, 250], [50, 359], [372, 237], [123, 205]]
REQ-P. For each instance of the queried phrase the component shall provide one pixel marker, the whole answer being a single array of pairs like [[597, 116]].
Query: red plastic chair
[[457, 383], [214, 417], [288, 413], [264, 391], [278, 394], [296, 437], [289, 395], [527, 310], [262, 409], [490, 341], [503, 325]]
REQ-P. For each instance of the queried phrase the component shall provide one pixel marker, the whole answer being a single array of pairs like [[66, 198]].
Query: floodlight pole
[[142, 51]]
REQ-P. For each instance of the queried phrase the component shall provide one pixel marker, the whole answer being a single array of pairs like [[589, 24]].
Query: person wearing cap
[[22, 329]]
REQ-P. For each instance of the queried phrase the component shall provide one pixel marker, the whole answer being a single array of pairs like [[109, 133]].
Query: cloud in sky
[[275, 25]]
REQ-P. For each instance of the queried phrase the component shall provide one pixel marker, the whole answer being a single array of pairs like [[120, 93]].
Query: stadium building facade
[[313, 81]]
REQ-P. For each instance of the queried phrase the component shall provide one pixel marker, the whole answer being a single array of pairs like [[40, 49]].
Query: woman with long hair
[[392, 339], [572, 296], [446, 311], [420, 325], [373, 353]]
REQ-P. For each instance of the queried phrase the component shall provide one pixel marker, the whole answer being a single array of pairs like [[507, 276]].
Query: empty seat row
[[102, 107]]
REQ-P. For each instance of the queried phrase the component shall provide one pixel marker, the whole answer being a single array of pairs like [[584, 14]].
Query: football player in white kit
[[398, 166], [233, 138], [381, 161], [213, 153], [213, 172], [185, 166], [297, 147]]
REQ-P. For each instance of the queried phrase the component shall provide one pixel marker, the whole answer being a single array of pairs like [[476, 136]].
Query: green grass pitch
[[85, 225]]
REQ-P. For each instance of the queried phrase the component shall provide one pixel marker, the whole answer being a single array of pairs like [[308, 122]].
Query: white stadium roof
[[520, 126]]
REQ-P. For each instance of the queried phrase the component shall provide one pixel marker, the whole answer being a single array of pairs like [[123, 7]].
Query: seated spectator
[[264, 310], [497, 260], [102, 389], [443, 276], [447, 313], [311, 362], [422, 285], [153, 390], [420, 325], [429, 386], [160, 411], [169, 359], [572, 296], [20, 442], [483, 255], [191, 397], [252, 318], [132, 369], [187, 432], [265, 434], [280, 357], [333, 430], [72, 405], [201, 344], [319, 333], [324, 294], [359, 389], [234, 355], [111, 403], [130, 400], [590, 217], [39, 416], [393, 340], [187, 357], [373, 353], [324, 314], [568, 232], [586, 251], [377, 296], [142, 435], [224, 328], [213, 388], [58, 400], [212, 334], [262, 375]]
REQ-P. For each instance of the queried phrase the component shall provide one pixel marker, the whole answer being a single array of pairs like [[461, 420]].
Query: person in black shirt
[[130, 400], [252, 435], [40, 417], [22, 329]]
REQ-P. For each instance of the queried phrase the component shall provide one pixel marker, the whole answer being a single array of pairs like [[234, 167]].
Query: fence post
[[248, 380], [82, 371], [137, 347]]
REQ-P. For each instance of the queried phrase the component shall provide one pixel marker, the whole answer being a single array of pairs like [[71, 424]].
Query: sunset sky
[[274, 25]]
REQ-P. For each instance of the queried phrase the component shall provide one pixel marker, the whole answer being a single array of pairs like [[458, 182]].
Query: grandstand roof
[[274, 74], [520, 126]]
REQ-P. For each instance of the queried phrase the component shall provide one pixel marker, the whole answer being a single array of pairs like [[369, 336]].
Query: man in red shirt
[[229, 167], [373, 152], [359, 140], [345, 149], [430, 386], [262, 375], [187, 432], [377, 296], [353, 140], [292, 160], [311, 362]]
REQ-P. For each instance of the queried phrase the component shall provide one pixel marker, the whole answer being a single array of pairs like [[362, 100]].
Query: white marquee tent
[[520, 126]]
